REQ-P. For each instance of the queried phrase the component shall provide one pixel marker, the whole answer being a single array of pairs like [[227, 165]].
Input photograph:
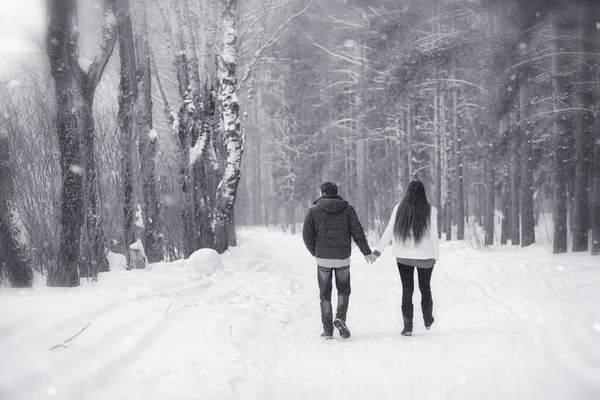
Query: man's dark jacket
[[329, 228]]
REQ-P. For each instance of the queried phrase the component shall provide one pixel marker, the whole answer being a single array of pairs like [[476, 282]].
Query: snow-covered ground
[[510, 324]]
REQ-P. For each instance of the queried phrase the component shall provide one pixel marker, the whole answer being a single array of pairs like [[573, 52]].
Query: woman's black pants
[[408, 287]]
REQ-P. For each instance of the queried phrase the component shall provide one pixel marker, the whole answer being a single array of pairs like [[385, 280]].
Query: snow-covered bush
[[206, 261]]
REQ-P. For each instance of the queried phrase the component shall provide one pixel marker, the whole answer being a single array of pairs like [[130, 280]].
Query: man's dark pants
[[342, 283], [408, 287]]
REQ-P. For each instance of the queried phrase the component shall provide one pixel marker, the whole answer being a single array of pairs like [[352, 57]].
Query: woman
[[413, 230]]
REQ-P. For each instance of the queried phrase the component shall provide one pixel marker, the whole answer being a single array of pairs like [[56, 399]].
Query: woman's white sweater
[[428, 248]]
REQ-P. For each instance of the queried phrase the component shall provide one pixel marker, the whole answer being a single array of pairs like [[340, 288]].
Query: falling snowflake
[[76, 169]]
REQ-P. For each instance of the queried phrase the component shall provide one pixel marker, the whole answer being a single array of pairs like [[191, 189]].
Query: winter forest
[[172, 122], [136, 134]]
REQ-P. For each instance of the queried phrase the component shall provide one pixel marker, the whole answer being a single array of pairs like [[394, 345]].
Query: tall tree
[[14, 254], [596, 161], [127, 99], [75, 85], [232, 133], [460, 198], [515, 178], [147, 137], [585, 132], [490, 192], [527, 167], [562, 128]]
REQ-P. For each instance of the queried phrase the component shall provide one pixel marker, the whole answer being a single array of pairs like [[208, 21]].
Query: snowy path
[[516, 324]]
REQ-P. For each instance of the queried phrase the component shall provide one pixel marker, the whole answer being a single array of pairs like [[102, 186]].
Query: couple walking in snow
[[331, 224]]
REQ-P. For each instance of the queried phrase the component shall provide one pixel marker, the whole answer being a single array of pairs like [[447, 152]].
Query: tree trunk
[[595, 173], [74, 91], [449, 173], [438, 159], [515, 178], [506, 217], [147, 138], [14, 255], [460, 201], [585, 133], [409, 143], [232, 232], [61, 49], [526, 196], [95, 252], [127, 99], [562, 126], [233, 138], [490, 192]]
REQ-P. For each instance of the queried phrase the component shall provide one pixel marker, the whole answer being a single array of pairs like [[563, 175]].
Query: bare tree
[[14, 254], [585, 131], [147, 137], [127, 99], [75, 85], [527, 166], [562, 127]]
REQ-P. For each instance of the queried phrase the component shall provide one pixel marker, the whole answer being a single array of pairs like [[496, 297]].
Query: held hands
[[371, 258]]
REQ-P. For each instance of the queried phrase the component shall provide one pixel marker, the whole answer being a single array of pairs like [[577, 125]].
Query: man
[[329, 226]]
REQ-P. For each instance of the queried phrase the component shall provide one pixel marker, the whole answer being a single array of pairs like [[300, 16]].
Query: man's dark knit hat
[[329, 188]]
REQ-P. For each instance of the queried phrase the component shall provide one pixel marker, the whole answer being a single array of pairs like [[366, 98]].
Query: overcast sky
[[21, 23]]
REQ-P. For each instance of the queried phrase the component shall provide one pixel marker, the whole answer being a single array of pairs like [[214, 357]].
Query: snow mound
[[206, 261], [116, 261]]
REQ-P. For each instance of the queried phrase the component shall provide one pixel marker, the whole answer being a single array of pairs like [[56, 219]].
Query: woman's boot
[[407, 317]]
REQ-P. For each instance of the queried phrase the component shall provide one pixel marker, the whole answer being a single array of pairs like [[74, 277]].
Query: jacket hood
[[331, 204]]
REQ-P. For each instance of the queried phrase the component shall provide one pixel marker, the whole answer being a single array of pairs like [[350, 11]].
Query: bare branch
[[272, 40], [107, 44], [71, 338]]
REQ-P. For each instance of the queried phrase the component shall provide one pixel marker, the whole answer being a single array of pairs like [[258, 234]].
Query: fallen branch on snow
[[71, 338], [168, 308]]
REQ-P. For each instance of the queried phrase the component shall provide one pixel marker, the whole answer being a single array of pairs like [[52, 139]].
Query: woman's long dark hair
[[414, 212]]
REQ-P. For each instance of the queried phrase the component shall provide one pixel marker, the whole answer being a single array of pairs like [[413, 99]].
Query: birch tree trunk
[[561, 126], [127, 99], [526, 196], [74, 91], [147, 138], [585, 132], [14, 254], [232, 134]]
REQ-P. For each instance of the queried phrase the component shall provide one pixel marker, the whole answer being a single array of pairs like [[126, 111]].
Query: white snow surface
[[511, 323]]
